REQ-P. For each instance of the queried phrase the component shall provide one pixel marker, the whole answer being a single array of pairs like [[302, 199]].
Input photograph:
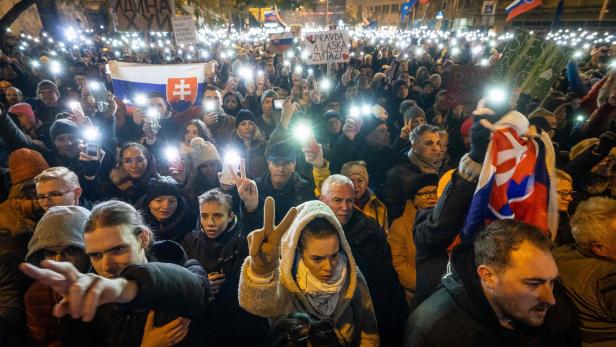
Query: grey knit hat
[[47, 84], [270, 93], [61, 226]]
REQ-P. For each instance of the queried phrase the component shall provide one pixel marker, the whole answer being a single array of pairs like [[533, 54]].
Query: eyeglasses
[[565, 193], [53, 195], [67, 253], [426, 194], [319, 331]]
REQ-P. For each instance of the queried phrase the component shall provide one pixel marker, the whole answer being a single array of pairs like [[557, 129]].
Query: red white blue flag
[[518, 7], [181, 85], [515, 184]]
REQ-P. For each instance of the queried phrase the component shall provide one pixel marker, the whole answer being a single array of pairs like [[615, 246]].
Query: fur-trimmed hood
[[306, 213]]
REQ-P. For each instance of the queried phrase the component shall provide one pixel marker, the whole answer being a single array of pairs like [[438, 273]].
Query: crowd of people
[[300, 206]]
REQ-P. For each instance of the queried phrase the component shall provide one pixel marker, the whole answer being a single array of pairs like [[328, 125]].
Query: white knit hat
[[203, 151]]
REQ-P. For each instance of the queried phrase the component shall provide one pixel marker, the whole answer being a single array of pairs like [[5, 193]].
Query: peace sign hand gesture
[[246, 188], [264, 244]]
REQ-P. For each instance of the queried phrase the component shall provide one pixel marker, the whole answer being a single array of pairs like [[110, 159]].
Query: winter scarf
[[425, 167], [322, 296]]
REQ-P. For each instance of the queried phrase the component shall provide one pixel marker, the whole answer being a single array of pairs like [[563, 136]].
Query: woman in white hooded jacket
[[305, 264]]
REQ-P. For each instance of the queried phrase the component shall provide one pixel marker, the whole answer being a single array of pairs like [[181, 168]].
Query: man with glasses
[[373, 256], [59, 186]]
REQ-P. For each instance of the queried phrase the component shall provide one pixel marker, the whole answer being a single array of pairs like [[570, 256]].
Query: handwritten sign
[[326, 47], [184, 30], [143, 15]]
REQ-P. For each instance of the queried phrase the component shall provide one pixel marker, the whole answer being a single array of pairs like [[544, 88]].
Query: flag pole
[[603, 10]]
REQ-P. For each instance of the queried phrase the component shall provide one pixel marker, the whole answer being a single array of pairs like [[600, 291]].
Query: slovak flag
[[515, 183], [181, 85], [518, 7]]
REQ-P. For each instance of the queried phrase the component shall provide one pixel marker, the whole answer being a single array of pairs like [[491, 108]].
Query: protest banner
[[531, 64], [143, 15], [327, 47], [184, 30], [280, 42], [462, 86], [182, 85]]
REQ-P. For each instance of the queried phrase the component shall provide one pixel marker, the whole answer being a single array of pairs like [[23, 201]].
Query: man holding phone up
[[219, 244], [220, 124]]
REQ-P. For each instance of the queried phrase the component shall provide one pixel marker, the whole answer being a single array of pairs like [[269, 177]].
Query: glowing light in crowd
[[232, 158], [35, 64], [140, 99], [210, 105], [455, 51], [55, 67], [91, 134], [302, 132], [366, 109], [172, 153], [325, 84], [497, 94], [484, 62], [245, 73], [579, 118], [70, 34], [355, 112]]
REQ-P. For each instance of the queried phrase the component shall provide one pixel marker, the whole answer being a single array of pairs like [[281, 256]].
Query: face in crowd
[[321, 255], [163, 207], [425, 197], [522, 291], [428, 147], [48, 96], [340, 198], [134, 161], [67, 145], [112, 249], [215, 216], [280, 171], [57, 192]]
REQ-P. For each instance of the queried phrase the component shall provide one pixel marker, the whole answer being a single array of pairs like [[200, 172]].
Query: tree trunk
[[12, 15]]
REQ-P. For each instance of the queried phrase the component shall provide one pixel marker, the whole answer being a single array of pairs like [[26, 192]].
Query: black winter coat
[[297, 191], [373, 257], [169, 284], [378, 160], [458, 314], [435, 229], [225, 254]]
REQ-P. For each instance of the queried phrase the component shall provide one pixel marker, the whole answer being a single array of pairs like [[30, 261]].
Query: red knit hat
[[23, 109], [25, 164]]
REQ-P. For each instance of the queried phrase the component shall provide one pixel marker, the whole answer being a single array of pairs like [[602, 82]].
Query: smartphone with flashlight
[[278, 104], [92, 149], [99, 93]]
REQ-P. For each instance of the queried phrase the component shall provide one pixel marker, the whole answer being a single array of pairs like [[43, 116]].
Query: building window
[[385, 9], [395, 8]]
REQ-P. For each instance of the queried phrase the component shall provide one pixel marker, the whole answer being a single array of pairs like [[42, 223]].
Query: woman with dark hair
[[135, 167], [299, 329], [165, 210], [316, 273], [232, 103], [249, 140]]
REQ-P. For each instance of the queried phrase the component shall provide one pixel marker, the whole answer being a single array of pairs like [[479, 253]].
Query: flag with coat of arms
[[182, 86], [516, 180]]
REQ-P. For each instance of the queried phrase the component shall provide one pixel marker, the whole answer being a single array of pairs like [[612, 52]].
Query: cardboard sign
[[531, 64], [143, 15], [327, 47], [462, 87], [184, 30]]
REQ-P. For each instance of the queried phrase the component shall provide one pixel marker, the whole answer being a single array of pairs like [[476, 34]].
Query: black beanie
[[369, 123], [62, 126], [243, 115], [159, 186], [331, 114], [419, 182]]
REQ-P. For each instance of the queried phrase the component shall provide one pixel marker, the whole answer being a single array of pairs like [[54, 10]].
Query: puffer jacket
[[400, 239], [353, 317]]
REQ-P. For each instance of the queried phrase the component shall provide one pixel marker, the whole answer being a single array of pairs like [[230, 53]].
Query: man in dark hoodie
[[499, 291]]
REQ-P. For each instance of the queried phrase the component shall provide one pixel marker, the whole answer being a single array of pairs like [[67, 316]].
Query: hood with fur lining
[[307, 212]]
